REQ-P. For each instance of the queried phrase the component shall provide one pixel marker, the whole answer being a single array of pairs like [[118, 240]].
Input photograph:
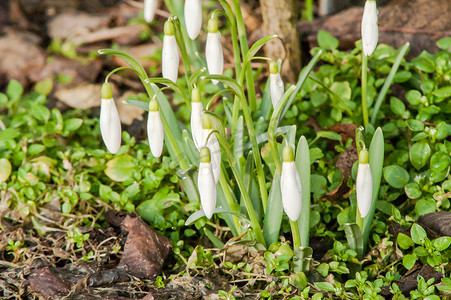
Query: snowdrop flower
[[150, 6], [193, 18], [364, 184], [170, 55], [213, 50], [290, 186], [196, 118], [275, 83], [370, 31], [110, 124], [206, 183], [212, 144], [155, 132]]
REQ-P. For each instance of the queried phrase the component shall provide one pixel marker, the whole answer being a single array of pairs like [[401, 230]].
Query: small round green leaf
[[412, 190], [5, 169], [396, 176], [413, 96], [442, 243], [409, 261], [419, 154], [425, 206], [327, 41], [418, 234], [415, 125], [404, 241], [120, 168], [397, 106]]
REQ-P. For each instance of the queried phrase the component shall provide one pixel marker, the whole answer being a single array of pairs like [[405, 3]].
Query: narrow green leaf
[[238, 140], [303, 166], [133, 63], [376, 163], [274, 212], [214, 239], [190, 148], [354, 238], [138, 103], [302, 77], [388, 81], [200, 213]]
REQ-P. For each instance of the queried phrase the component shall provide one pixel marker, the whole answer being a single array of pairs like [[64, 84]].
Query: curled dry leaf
[[145, 249], [47, 283], [345, 161]]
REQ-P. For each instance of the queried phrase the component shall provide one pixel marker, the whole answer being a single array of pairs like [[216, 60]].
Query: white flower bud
[[290, 186], [193, 18], [170, 54], [370, 31], [150, 6], [213, 145], [155, 132], [364, 184], [213, 50], [206, 183], [196, 119], [110, 124], [276, 86]]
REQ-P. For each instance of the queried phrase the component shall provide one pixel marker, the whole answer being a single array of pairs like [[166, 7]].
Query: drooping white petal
[[214, 55], [110, 125], [364, 189], [370, 30], [170, 58], [193, 17], [290, 186], [196, 123], [276, 88], [150, 6], [215, 151], [207, 188], [155, 133]]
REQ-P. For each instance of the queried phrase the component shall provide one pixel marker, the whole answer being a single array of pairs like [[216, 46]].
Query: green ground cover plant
[[403, 133]]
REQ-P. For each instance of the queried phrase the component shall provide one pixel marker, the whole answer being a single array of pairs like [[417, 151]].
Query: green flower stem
[[179, 36], [364, 89], [256, 151], [167, 131], [117, 70], [230, 200], [238, 90], [244, 50], [272, 127], [358, 219], [233, 33], [247, 200], [308, 10], [296, 234]]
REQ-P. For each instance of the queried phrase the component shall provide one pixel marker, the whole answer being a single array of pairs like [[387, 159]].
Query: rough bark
[[280, 17]]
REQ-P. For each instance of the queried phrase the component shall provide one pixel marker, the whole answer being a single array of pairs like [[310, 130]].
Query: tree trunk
[[280, 17]]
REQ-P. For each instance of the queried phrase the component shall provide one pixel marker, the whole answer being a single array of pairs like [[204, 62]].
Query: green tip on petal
[[168, 28], [288, 155], [212, 26], [205, 155], [107, 91], [364, 157], [273, 68], [153, 105], [195, 95], [206, 122]]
